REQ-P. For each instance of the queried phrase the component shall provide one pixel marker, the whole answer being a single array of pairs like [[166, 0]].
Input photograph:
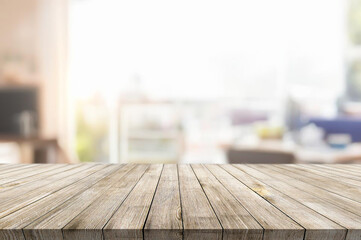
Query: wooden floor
[[96, 201]]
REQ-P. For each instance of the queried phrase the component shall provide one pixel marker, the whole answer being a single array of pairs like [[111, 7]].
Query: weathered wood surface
[[107, 201]]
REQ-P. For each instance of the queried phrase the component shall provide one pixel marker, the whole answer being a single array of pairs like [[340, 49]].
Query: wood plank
[[50, 225], [15, 171], [34, 179], [316, 225], [344, 218], [336, 199], [17, 198], [89, 223], [337, 172], [328, 176], [351, 191], [14, 190], [352, 168], [12, 167], [276, 224], [236, 221], [164, 221], [133, 201], [11, 225], [26, 172], [128, 221], [199, 220]]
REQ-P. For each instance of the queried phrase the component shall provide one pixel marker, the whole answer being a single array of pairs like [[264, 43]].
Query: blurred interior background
[[192, 81]]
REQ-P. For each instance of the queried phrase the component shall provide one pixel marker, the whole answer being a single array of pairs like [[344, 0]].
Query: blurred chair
[[258, 156]]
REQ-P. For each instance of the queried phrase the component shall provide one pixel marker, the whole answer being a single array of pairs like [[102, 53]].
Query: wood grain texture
[[348, 220], [33, 179], [57, 218], [26, 172], [336, 199], [316, 225], [90, 222], [135, 201], [13, 167], [17, 198], [328, 183], [327, 175], [199, 220], [335, 171], [276, 224], [350, 168], [128, 221], [14, 223], [165, 218], [236, 222]]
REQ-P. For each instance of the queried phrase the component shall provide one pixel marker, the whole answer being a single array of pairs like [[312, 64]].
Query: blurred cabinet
[[20, 124]]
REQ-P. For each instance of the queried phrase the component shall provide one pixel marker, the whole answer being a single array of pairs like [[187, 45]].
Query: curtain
[[52, 55]]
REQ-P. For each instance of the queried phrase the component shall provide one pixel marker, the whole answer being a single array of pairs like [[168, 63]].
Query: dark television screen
[[14, 101]]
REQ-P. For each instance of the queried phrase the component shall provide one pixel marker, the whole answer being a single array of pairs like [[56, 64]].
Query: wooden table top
[[103, 201]]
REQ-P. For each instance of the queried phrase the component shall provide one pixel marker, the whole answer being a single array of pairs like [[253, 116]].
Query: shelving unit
[[149, 133]]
